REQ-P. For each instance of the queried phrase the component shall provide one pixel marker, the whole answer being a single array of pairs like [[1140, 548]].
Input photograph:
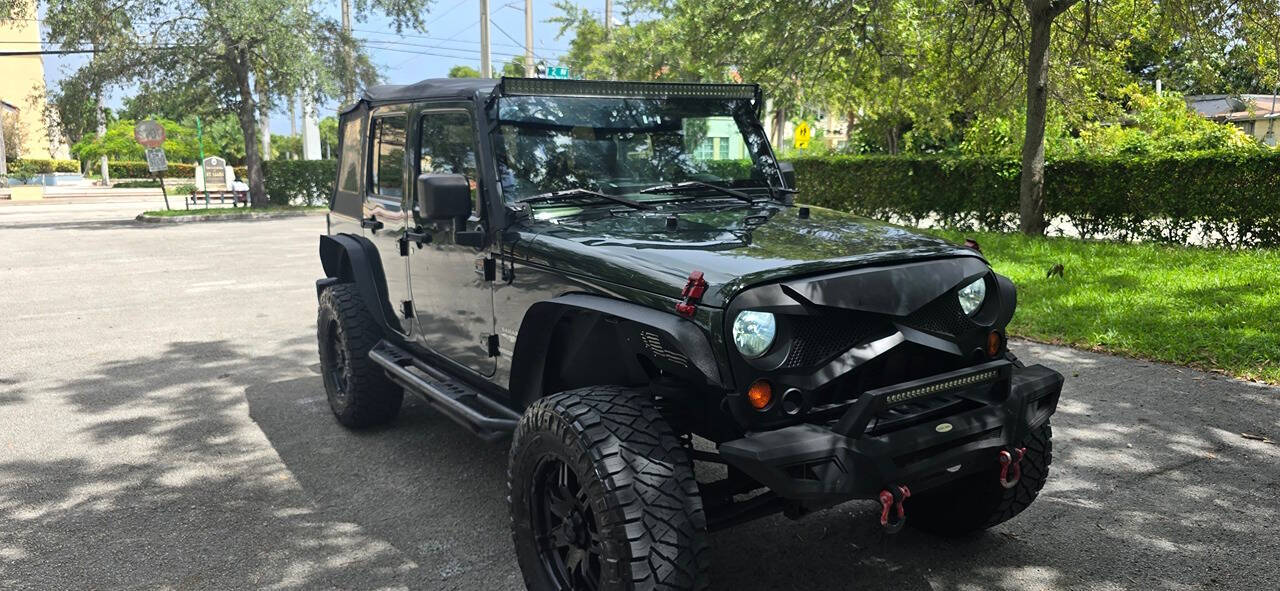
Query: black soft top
[[432, 88]]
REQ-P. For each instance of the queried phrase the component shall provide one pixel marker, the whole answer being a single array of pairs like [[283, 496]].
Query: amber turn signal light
[[760, 394], [994, 343]]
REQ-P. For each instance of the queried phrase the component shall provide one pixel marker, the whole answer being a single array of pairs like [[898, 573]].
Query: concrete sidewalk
[[164, 427]]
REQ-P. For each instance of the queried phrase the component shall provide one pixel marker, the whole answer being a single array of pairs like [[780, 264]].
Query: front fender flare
[[528, 360]]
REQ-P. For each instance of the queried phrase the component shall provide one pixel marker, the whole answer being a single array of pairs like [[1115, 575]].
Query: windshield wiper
[[687, 186], [579, 193]]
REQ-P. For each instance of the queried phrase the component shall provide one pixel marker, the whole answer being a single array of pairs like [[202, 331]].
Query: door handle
[[418, 235], [371, 223]]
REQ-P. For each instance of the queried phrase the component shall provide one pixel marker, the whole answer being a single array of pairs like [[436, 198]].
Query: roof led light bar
[[591, 88]]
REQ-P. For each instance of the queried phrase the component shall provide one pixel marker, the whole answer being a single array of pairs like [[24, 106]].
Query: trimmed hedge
[[1220, 198], [299, 182], [47, 165], [125, 169]]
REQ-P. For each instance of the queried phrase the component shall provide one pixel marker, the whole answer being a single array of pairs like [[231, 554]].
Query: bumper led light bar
[[953, 384]]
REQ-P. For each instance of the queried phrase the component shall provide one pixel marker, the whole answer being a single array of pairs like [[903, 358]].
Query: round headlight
[[753, 333], [971, 295]]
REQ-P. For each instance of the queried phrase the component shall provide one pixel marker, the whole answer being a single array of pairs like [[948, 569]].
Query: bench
[[222, 196]]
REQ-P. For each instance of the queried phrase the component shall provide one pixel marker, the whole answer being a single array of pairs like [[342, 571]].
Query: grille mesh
[[816, 339], [942, 316]]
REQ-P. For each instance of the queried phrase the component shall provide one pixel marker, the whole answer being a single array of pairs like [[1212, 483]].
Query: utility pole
[[348, 82], [486, 71], [608, 17], [102, 130], [528, 38], [4, 167]]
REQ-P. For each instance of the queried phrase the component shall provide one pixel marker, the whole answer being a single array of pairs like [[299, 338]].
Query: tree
[[1041, 14], [118, 143], [463, 72]]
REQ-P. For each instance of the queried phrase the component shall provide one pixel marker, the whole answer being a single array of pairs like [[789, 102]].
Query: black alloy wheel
[[565, 528]]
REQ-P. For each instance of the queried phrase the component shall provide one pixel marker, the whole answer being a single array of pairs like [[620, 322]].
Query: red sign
[[149, 133]]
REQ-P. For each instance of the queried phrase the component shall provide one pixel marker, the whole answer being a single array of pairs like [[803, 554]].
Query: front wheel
[[977, 502], [603, 496]]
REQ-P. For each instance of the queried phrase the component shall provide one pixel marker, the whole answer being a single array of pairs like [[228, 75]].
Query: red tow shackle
[[1011, 463], [889, 499]]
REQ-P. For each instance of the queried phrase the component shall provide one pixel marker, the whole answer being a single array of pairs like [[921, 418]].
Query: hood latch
[[691, 294]]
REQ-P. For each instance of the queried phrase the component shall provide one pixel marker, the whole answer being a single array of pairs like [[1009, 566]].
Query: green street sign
[[559, 72]]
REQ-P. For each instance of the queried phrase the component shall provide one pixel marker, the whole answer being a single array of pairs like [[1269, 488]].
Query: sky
[[452, 38]]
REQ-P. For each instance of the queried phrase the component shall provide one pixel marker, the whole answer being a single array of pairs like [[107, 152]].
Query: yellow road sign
[[802, 136]]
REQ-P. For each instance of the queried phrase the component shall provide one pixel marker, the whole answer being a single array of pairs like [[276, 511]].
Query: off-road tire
[[359, 393], [635, 477], [977, 502]]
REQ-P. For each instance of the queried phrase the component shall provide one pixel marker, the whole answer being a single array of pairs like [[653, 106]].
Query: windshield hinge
[[490, 269], [492, 341]]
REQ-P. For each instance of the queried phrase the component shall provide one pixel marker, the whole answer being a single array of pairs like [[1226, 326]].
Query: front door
[[384, 210], [453, 300]]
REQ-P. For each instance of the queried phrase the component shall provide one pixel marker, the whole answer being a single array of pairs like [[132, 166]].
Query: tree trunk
[[264, 115], [247, 113], [102, 130], [1031, 195]]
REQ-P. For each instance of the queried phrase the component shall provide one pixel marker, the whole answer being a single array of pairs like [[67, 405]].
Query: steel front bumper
[[822, 465]]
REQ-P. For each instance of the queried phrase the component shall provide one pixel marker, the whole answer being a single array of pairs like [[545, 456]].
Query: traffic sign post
[[150, 134]]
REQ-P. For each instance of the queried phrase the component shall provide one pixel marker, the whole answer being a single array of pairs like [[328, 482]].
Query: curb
[[248, 215]]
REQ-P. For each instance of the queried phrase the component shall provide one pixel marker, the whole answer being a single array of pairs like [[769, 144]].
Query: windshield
[[623, 145]]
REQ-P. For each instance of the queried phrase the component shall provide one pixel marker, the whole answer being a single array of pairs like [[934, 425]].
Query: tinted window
[[387, 168], [350, 155], [448, 147]]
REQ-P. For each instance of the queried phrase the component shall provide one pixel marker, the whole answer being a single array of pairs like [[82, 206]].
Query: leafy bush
[[46, 165], [1228, 198], [184, 189], [125, 169], [300, 182], [136, 185], [23, 171]]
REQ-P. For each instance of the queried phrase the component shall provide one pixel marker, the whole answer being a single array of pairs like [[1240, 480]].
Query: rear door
[[452, 298], [385, 208]]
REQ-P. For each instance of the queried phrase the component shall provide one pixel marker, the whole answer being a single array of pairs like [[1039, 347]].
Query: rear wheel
[[977, 502], [359, 393], [603, 497]]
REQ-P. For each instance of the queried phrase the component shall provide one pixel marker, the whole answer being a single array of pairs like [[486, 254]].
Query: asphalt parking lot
[[162, 425]]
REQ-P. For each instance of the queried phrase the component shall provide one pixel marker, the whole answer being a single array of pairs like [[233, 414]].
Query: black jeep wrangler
[[615, 276]]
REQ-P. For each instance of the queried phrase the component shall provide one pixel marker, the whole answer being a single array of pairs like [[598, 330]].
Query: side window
[[448, 147], [386, 170], [350, 172]]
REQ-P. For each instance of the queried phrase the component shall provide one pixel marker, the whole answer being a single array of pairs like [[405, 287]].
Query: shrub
[[300, 182], [125, 169], [46, 165], [1227, 198], [136, 184]]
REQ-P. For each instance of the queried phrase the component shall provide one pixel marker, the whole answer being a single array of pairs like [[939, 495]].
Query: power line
[[468, 41]]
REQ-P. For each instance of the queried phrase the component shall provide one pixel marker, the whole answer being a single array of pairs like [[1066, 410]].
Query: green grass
[[200, 210], [1206, 308]]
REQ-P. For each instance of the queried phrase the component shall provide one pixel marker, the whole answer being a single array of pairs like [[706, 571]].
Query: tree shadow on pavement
[[1152, 488]]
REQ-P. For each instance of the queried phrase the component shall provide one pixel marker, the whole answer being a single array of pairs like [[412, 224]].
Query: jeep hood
[[734, 247]]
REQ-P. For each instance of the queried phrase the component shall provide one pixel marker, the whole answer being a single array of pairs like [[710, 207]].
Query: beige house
[[22, 89], [1255, 114]]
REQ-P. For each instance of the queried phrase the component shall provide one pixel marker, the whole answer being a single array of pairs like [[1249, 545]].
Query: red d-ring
[[1008, 461], [888, 501]]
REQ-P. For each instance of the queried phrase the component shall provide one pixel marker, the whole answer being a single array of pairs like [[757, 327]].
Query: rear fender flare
[[529, 359], [348, 258]]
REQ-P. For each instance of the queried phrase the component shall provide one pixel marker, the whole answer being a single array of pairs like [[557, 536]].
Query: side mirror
[[788, 171], [444, 196]]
